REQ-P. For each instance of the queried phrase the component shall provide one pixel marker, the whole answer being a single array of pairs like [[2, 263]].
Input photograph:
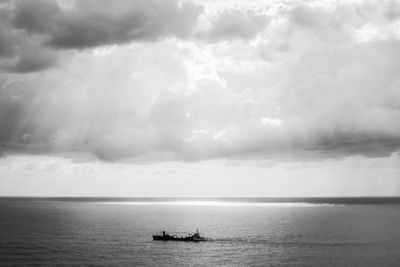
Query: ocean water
[[104, 232]]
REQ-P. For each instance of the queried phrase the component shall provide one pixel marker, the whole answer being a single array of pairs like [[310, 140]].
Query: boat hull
[[175, 238]]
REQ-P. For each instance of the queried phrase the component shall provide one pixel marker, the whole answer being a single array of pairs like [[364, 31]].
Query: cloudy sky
[[199, 98]]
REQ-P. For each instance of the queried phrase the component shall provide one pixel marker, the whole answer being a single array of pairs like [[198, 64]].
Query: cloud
[[35, 16], [31, 31], [236, 25], [6, 43], [20, 52], [30, 59], [95, 23], [41, 27], [327, 94], [307, 16], [346, 102], [392, 10]]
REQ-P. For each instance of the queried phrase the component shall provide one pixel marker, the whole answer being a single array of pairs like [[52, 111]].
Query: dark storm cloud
[[31, 62], [94, 23], [21, 57], [30, 28], [6, 43], [35, 16], [20, 52], [359, 144], [29, 59]]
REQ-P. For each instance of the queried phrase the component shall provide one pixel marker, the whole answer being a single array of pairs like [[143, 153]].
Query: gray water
[[100, 233]]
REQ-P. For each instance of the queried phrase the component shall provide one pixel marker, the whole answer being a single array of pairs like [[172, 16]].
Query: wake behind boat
[[196, 237]]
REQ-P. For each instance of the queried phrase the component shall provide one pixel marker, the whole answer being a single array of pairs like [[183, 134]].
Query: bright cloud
[[188, 81]]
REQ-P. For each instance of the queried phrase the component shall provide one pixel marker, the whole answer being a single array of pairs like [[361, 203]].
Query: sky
[[199, 98]]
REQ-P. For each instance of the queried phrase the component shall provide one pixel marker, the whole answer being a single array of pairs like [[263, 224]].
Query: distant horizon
[[210, 200], [194, 197]]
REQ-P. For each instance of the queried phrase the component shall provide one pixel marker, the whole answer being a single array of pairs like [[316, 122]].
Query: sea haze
[[241, 231]]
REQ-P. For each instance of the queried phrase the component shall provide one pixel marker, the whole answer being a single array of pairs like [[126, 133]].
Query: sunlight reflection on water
[[221, 203], [240, 233]]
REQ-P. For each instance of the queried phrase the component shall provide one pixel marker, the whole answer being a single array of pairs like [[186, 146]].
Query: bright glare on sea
[[104, 233]]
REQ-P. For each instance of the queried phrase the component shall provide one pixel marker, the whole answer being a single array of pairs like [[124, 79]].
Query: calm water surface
[[119, 234]]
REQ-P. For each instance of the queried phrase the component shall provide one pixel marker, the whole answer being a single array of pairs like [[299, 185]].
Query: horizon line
[[152, 199]]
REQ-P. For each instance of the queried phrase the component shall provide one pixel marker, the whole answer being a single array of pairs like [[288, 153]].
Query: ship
[[196, 237]]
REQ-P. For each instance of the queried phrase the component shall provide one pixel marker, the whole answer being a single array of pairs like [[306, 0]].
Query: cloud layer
[[31, 31], [161, 80], [94, 23]]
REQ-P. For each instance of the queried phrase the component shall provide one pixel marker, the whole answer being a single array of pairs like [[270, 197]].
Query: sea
[[240, 231]]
